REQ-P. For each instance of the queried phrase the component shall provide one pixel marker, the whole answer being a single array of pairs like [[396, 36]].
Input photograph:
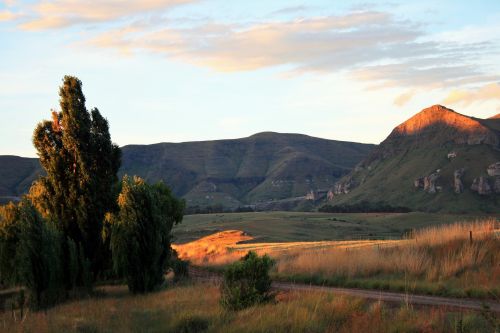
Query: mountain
[[16, 175], [438, 160], [263, 167]]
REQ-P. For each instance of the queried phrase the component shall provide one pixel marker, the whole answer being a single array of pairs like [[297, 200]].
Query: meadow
[[438, 260], [275, 227], [196, 308]]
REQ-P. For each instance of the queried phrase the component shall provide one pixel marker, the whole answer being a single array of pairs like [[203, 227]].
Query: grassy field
[[195, 308], [439, 260], [295, 226], [436, 260]]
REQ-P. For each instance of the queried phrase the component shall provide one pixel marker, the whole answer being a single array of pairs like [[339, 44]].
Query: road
[[377, 295]]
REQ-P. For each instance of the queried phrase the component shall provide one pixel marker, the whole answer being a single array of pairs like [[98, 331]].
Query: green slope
[[262, 167], [389, 172], [259, 168]]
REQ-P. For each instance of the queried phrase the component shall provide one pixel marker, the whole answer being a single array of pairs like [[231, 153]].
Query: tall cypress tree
[[81, 165]]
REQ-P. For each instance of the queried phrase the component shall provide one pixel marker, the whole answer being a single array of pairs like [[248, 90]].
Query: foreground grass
[[195, 308], [436, 260]]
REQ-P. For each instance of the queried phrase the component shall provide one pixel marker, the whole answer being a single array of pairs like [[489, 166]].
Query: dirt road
[[384, 296]]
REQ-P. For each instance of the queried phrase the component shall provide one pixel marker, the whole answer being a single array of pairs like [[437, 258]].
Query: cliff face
[[435, 157]]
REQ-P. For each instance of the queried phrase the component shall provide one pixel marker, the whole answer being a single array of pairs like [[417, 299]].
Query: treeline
[[212, 209], [365, 207], [79, 223]]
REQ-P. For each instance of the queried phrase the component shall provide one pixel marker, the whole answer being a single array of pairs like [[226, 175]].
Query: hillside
[[265, 166], [438, 160], [16, 176]]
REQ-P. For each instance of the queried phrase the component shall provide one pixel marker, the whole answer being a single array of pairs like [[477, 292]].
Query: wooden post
[[470, 236]]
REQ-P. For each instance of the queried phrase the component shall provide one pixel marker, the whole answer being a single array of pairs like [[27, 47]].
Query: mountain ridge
[[437, 160], [234, 172]]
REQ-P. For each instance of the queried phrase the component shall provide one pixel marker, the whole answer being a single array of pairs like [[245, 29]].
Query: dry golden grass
[[225, 247], [196, 308], [436, 255], [436, 260]]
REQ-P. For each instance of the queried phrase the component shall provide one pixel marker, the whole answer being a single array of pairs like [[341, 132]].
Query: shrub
[[140, 237], [247, 282], [179, 267], [365, 207], [37, 261]]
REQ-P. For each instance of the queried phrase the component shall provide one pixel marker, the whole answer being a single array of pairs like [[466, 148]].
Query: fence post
[[470, 236]]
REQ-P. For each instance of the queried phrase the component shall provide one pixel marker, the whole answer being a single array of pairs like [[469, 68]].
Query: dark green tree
[[140, 237], [38, 265], [246, 282], [9, 239], [30, 253], [81, 165]]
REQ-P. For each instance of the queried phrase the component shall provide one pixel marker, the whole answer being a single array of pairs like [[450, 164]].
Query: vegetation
[[435, 260], [30, 254], [81, 165], [53, 243], [247, 282], [364, 207], [196, 308], [140, 238], [299, 227], [214, 209]]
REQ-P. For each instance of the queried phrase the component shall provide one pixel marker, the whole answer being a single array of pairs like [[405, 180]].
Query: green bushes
[[31, 254], [247, 282], [364, 207], [60, 238], [140, 237]]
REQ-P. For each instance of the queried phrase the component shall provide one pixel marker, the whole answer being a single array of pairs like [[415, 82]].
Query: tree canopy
[[140, 238], [81, 165]]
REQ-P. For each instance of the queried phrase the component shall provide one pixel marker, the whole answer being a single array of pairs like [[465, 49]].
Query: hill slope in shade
[[430, 162], [16, 176], [262, 167], [259, 168]]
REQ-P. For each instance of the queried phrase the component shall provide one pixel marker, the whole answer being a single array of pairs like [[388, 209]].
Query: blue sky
[[185, 70]]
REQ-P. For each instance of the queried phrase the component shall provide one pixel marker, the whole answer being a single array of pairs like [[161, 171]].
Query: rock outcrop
[[419, 182], [481, 185], [330, 195], [457, 180], [494, 169], [343, 187], [430, 183]]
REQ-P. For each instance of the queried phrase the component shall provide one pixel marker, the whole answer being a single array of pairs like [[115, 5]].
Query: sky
[[191, 70]]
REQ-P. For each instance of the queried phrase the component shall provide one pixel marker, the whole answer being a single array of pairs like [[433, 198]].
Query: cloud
[[404, 98], [64, 13], [468, 96], [290, 10], [371, 46], [315, 44], [6, 15]]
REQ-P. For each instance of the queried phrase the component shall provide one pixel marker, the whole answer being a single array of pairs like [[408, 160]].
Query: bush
[[179, 267], [247, 282], [37, 261], [365, 207], [140, 237]]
